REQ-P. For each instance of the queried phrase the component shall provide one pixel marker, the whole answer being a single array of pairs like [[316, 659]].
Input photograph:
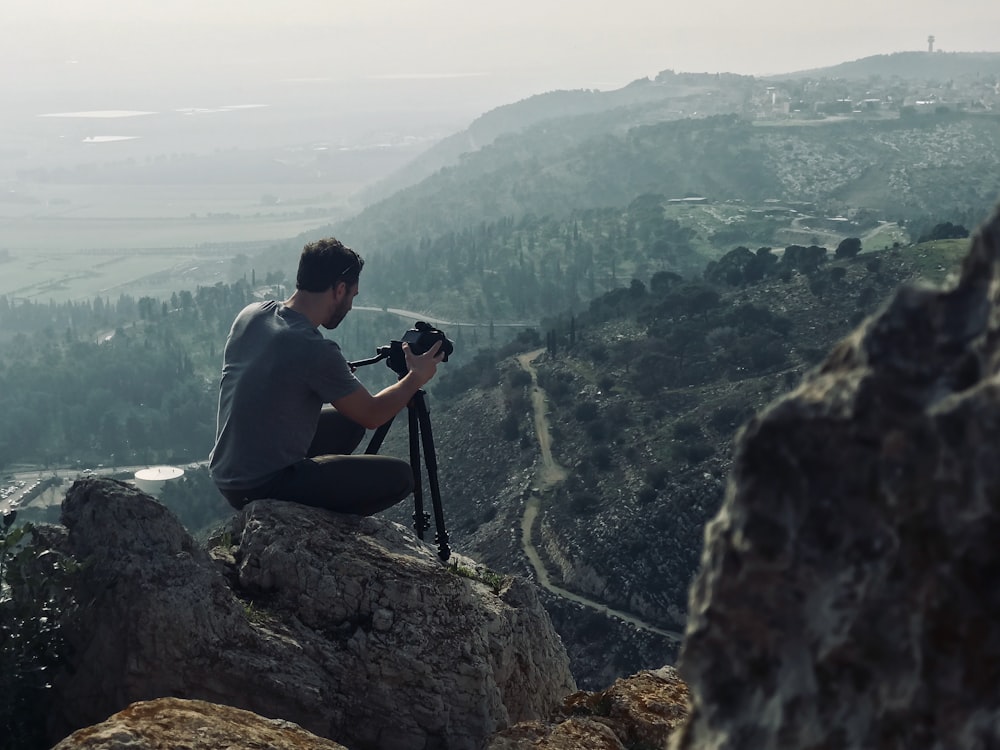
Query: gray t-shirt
[[278, 370]]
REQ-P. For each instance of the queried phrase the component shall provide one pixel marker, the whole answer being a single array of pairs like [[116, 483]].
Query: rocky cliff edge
[[349, 627]]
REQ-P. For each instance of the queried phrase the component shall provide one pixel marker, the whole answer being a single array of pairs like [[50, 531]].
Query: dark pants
[[331, 478]]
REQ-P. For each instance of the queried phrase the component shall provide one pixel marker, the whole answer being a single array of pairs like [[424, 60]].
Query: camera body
[[420, 338]]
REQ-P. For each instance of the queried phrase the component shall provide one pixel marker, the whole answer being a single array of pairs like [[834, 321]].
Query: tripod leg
[[420, 519], [376, 442], [430, 458]]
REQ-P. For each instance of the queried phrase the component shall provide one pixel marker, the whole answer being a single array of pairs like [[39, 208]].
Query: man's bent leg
[[335, 434], [362, 485]]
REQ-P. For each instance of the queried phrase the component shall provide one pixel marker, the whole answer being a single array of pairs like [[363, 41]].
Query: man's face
[[343, 295]]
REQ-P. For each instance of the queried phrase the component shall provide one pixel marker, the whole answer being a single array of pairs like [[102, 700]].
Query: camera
[[420, 338]]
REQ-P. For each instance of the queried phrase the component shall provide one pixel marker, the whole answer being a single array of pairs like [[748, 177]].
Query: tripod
[[420, 434]]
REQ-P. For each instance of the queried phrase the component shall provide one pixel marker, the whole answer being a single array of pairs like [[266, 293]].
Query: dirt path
[[550, 473]]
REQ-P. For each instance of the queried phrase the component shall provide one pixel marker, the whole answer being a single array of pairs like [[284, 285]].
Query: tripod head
[[420, 338]]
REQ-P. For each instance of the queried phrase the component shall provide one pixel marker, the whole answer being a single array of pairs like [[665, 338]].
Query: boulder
[[847, 596], [171, 723], [350, 627]]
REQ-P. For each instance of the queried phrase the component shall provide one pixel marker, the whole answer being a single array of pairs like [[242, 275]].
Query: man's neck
[[307, 304]]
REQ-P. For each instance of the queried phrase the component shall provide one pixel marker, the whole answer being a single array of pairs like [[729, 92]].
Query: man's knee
[[402, 476]]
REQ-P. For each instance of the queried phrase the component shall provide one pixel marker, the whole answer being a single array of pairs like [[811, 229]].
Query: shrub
[[34, 598], [694, 452], [687, 430], [509, 427], [657, 476], [725, 418], [519, 379], [848, 248], [597, 430], [601, 457], [646, 495], [585, 502]]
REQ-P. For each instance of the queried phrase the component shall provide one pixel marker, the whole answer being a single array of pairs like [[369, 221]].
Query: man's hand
[[373, 411], [423, 366]]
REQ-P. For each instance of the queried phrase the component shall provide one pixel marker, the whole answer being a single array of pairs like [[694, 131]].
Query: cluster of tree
[[135, 380], [945, 231], [134, 398], [742, 266], [532, 267]]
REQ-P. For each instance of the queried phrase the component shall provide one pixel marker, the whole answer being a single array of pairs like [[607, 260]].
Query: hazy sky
[[520, 46]]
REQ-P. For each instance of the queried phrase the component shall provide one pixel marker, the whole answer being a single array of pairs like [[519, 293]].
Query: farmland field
[[76, 242]]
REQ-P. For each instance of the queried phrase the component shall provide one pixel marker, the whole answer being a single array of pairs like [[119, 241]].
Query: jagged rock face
[[171, 723], [847, 596], [347, 626]]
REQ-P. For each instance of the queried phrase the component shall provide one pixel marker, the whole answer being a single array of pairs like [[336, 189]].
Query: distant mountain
[[669, 96], [898, 169], [910, 66], [545, 203]]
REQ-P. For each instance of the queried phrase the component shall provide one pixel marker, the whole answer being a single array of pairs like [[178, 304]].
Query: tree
[[663, 281], [848, 248], [945, 231]]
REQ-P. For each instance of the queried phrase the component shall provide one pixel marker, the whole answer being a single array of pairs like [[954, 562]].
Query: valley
[[632, 284]]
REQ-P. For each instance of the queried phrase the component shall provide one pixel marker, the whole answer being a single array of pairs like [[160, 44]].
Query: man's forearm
[[388, 402]]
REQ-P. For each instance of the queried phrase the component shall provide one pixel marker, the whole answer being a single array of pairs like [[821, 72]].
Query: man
[[275, 438]]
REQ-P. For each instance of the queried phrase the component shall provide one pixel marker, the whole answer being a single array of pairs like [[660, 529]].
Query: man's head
[[326, 263], [330, 271]]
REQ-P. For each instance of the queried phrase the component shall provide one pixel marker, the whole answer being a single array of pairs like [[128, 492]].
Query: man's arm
[[371, 412]]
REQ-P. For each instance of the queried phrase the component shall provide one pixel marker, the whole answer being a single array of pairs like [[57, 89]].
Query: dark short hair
[[325, 263]]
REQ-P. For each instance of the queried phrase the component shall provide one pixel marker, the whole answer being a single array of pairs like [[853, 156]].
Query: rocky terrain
[[347, 626]]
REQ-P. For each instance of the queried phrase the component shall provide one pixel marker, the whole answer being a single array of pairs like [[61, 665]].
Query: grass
[[938, 260], [494, 580]]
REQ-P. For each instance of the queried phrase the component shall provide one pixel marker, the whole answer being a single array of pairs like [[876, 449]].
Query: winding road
[[549, 474]]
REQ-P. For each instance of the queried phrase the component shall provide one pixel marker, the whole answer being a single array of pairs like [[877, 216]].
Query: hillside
[[644, 393], [899, 168], [910, 66], [579, 114], [521, 230], [668, 96]]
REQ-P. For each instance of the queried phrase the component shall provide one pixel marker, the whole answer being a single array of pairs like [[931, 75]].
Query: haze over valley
[[634, 248]]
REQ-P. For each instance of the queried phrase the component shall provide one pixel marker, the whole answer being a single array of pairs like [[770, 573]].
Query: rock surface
[[172, 723], [641, 711], [847, 596], [347, 626]]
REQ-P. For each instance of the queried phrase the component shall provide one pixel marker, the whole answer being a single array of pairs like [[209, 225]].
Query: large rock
[[171, 723], [347, 626], [848, 592], [641, 711]]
